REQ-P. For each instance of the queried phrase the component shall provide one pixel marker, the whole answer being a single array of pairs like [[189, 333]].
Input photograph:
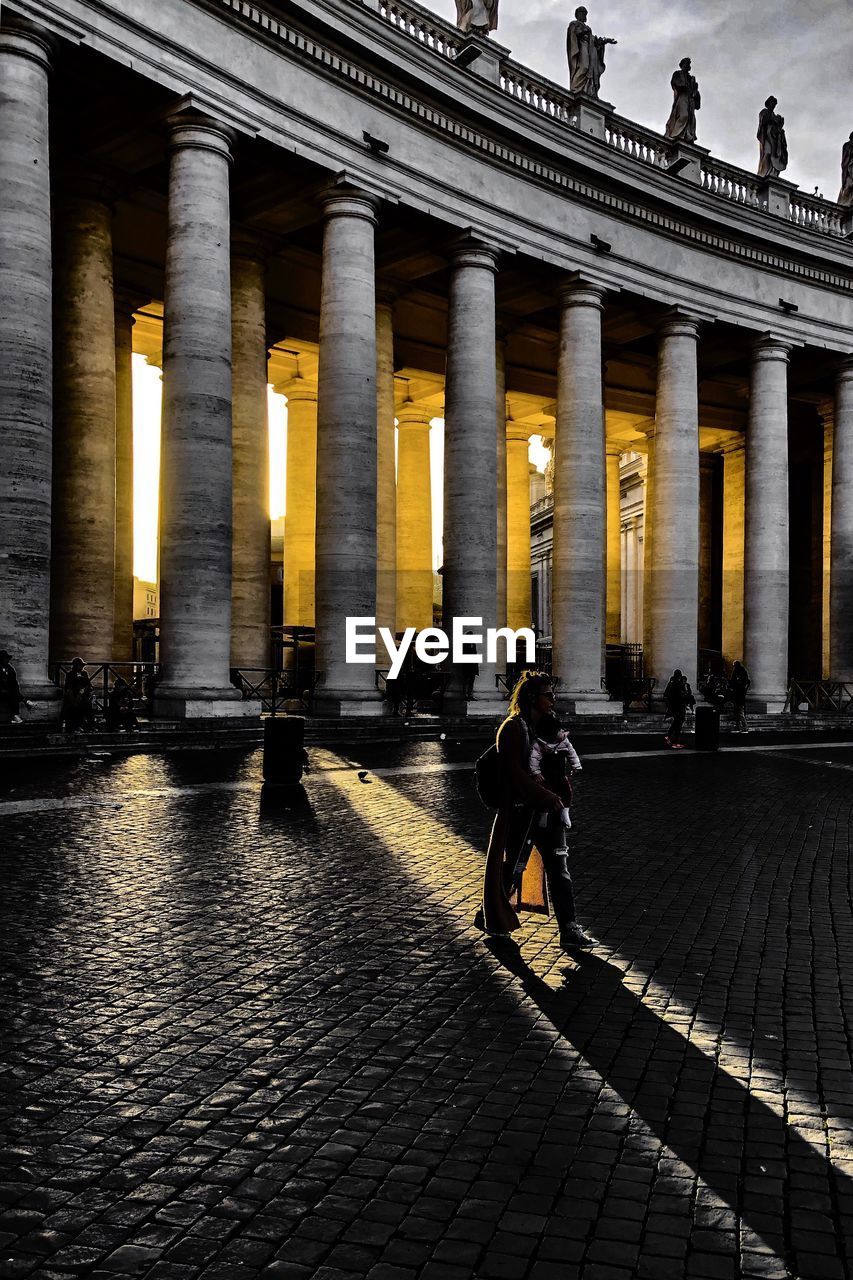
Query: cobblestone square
[[249, 1041]]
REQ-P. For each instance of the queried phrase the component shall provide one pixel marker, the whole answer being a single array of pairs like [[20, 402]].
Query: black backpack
[[487, 775]]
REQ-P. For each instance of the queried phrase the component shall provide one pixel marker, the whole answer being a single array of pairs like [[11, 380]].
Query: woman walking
[[522, 797]]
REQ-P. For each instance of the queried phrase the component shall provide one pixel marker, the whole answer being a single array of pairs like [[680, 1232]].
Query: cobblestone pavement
[[244, 1042]]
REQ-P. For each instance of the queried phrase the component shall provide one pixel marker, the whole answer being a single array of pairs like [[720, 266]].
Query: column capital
[[737, 445], [387, 293], [127, 300], [517, 433], [770, 347], [580, 291], [844, 369], [613, 449], [251, 245], [79, 180], [24, 39], [679, 324], [192, 129], [341, 200], [470, 251], [414, 415], [297, 388]]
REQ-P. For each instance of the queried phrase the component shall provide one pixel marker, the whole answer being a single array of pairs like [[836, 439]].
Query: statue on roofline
[[845, 195], [477, 17], [772, 143], [681, 125], [585, 52]]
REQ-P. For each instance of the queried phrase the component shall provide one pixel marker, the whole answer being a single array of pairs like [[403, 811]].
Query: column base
[[174, 703], [45, 703], [766, 704], [348, 704], [483, 708], [585, 703]]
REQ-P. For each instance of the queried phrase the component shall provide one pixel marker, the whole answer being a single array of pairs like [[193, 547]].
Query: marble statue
[[586, 55], [845, 195], [681, 125], [477, 17], [772, 143]]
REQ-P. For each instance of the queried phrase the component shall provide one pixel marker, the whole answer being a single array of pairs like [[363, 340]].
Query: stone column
[[300, 518], [346, 451], [518, 590], [631, 628], [84, 429], [766, 586], [386, 478], [250, 559], [579, 590], [501, 429], [614, 546], [25, 361], [470, 466], [707, 474], [643, 593], [673, 579], [827, 416], [122, 650], [414, 519], [734, 460], [196, 456], [841, 570]]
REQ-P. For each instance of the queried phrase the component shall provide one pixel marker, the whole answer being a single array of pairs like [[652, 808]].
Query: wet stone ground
[[243, 1041]]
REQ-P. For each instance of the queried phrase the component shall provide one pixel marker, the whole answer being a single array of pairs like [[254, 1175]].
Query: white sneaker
[[17, 720]]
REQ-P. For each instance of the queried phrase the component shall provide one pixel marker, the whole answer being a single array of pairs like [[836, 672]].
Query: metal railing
[[274, 689], [826, 697], [139, 677]]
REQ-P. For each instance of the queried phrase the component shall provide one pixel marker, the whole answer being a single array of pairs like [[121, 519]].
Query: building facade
[[391, 222]]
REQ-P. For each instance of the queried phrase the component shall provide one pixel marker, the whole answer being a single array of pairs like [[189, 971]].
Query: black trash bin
[[284, 750], [707, 729]]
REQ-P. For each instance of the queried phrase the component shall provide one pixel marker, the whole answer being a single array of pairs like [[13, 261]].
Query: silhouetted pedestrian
[[10, 691], [78, 708], [120, 715], [678, 696], [739, 683]]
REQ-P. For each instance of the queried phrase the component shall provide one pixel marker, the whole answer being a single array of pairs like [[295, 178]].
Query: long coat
[[510, 832]]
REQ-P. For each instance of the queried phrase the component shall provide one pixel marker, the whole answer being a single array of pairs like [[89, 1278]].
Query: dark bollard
[[284, 750], [707, 729]]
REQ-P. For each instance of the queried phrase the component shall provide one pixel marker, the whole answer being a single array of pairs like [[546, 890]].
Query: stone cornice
[[346, 42]]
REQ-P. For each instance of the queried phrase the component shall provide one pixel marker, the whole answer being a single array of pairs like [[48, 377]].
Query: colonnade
[[347, 552]]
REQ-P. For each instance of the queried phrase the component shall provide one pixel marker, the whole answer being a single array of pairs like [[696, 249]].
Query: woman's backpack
[[487, 776]]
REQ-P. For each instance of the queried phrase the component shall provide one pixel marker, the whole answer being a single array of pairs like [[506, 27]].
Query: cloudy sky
[[801, 52]]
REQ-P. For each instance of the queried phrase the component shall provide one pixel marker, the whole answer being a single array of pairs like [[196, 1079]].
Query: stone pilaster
[[841, 569], [579, 589], [300, 519], [519, 608], [123, 560], [766, 586], [386, 480], [196, 456], [500, 422], [346, 451], [84, 428], [414, 518], [673, 574], [470, 466], [614, 546], [250, 559], [734, 479], [26, 367]]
